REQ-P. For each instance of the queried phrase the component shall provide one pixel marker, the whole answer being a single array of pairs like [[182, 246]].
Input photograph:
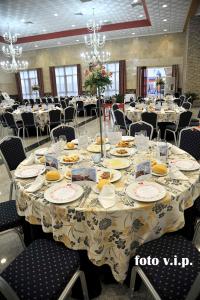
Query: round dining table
[[163, 115], [111, 235]]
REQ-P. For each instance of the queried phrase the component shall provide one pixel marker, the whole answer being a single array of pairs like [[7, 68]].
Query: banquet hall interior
[[100, 149]]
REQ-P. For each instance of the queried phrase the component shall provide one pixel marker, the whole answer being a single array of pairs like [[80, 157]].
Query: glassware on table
[[96, 158], [107, 196], [114, 137], [83, 142], [62, 141]]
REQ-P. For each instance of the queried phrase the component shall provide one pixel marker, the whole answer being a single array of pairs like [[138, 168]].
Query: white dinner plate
[[62, 193], [41, 151], [97, 148], [186, 164], [70, 163], [116, 163], [30, 171], [129, 152], [52, 181], [75, 147], [127, 138], [116, 175], [160, 175], [146, 191]]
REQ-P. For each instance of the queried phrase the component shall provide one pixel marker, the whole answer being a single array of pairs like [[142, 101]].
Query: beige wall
[[160, 50]]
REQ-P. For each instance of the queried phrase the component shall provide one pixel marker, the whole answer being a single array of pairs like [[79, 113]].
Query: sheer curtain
[[175, 74], [122, 77], [25, 80], [141, 81], [53, 81], [40, 81]]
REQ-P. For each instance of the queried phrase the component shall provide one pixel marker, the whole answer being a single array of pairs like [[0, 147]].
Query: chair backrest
[[10, 121], [184, 119], [178, 101], [69, 114], [114, 106], [10, 110], [28, 119], [49, 100], [189, 141], [141, 125], [119, 118], [132, 104], [31, 101], [55, 99], [44, 100], [65, 130], [186, 105], [63, 104], [55, 116], [15, 106], [80, 104], [37, 100], [150, 117], [67, 101], [12, 152]]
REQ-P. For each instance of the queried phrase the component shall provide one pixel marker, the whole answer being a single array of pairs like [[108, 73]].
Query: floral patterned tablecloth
[[163, 116], [112, 235]]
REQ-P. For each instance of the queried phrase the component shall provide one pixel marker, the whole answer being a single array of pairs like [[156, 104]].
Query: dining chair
[[31, 101], [184, 121], [29, 122], [49, 100], [96, 108], [182, 98], [69, 115], [132, 104], [187, 105], [177, 101], [151, 118], [13, 153], [44, 100], [67, 131], [37, 100], [10, 110], [63, 104], [114, 106], [189, 141], [55, 99], [139, 126], [44, 270], [15, 106], [80, 107], [169, 281], [54, 118], [3, 124], [120, 120], [9, 217], [195, 121], [12, 124]]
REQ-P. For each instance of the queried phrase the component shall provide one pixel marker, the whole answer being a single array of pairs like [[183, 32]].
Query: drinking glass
[[62, 141]]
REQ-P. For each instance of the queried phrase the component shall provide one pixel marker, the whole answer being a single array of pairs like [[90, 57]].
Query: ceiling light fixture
[[164, 5], [164, 20], [12, 52], [140, 16], [73, 25], [77, 40], [164, 29], [36, 46], [133, 33], [55, 15]]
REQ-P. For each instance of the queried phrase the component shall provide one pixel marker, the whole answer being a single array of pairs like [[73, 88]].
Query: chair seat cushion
[[42, 270], [170, 281], [8, 215]]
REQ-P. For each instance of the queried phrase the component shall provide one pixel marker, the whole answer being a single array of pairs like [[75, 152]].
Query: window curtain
[[79, 79], [53, 81], [122, 77], [19, 86], [175, 74], [141, 81], [40, 81]]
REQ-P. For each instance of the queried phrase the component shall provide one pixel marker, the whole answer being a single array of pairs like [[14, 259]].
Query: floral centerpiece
[[159, 83], [35, 87], [97, 78]]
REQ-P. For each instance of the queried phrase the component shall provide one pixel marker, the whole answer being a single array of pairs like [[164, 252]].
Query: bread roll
[[52, 175]]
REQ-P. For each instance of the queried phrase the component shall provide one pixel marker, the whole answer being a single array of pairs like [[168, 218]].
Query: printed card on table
[[143, 170], [51, 162], [163, 152], [84, 174]]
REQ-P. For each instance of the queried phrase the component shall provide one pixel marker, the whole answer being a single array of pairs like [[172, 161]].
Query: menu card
[[84, 174], [163, 152], [143, 170], [51, 162]]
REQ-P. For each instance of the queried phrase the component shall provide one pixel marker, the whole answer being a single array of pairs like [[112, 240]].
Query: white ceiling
[[15, 12]]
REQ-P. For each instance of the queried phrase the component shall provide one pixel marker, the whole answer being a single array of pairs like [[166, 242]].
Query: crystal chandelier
[[96, 42], [12, 52]]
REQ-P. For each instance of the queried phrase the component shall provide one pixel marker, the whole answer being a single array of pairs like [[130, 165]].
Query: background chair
[[151, 118], [29, 122], [13, 153], [132, 104], [49, 100], [139, 126], [37, 100], [3, 124], [184, 121], [114, 106], [15, 106], [44, 270], [54, 118], [80, 107], [63, 104], [96, 108], [178, 101], [12, 124], [187, 105], [169, 281], [67, 131], [120, 120], [55, 99], [31, 101], [69, 115], [189, 141], [44, 100], [195, 122]]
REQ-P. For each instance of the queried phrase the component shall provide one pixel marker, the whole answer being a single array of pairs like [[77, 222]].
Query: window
[[28, 79], [114, 88], [66, 81]]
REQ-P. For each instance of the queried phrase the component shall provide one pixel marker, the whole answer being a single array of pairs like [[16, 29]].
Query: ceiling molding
[[82, 31], [192, 11]]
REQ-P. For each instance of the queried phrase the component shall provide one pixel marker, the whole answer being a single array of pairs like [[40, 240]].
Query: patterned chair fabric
[[8, 215], [138, 126], [178, 101], [42, 271], [13, 151], [120, 119], [150, 117], [55, 117], [186, 105], [67, 131], [190, 142], [28, 119], [69, 114], [170, 281]]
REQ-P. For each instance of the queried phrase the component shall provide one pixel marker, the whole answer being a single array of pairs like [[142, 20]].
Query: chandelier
[[96, 42], [13, 52]]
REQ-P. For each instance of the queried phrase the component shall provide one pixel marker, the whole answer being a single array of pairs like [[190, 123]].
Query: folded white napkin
[[107, 197], [29, 161], [176, 150], [36, 185], [175, 173]]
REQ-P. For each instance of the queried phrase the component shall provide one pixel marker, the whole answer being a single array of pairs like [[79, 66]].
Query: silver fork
[[87, 192]]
